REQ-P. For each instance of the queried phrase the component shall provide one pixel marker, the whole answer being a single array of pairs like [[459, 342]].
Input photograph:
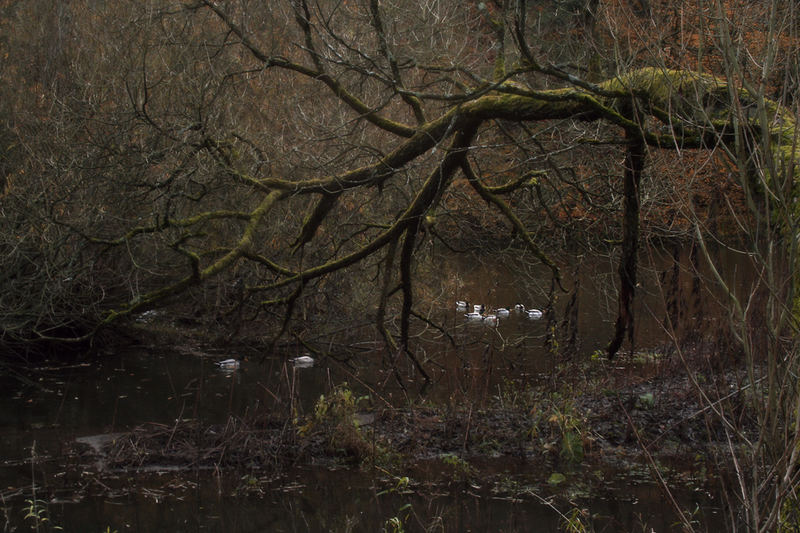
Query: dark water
[[153, 384]]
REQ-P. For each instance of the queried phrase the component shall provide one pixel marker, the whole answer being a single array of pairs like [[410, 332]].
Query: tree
[[759, 417], [253, 156], [196, 124]]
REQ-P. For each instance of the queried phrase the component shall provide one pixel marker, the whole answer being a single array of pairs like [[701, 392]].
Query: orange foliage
[[687, 34]]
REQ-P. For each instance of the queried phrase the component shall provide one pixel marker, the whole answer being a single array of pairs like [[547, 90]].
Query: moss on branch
[[172, 223], [691, 104], [198, 275]]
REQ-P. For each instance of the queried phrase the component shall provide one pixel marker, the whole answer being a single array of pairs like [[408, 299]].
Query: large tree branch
[[650, 90]]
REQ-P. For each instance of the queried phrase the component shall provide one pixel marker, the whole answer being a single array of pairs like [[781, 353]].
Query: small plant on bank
[[645, 401], [334, 417], [400, 487], [512, 394], [36, 512], [340, 405], [647, 357], [568, 428], [461, 468], [396, 524], [574, 521]]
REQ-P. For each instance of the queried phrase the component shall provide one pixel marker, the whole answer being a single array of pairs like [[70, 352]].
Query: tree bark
[[634, 164]]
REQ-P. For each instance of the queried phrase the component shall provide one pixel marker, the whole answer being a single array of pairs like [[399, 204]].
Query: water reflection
[[321, 501], [318, 501]]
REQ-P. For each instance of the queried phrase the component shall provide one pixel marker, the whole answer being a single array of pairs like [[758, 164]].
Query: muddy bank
[[565, 445], [621, 418]]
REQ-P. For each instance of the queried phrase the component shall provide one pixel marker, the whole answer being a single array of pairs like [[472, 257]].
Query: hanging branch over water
[[388, 118], [634, 164]]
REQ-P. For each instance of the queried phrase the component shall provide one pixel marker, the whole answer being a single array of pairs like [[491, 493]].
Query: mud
[[624, 416]]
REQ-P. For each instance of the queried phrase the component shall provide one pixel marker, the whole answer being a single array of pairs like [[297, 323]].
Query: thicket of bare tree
[[261, 152], [758, 410]]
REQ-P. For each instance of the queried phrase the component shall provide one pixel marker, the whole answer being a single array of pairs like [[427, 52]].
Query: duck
[[228, 364], [303, 361], [478, 308], [461, 305], [519, 308], [474, 316], [502, 312], [491, 320], [533, 314]]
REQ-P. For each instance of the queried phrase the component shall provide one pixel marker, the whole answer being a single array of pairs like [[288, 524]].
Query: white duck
[[228, 364], [303, 361], [502, 312], [491, 320], [461, 305], [533, 314], [478, 308], [474, 316]]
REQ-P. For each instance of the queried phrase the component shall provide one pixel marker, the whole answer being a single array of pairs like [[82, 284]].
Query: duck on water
[[228, 364]]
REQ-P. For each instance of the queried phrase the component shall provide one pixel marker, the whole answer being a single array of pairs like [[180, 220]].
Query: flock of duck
[[493, 318], [476, 315]]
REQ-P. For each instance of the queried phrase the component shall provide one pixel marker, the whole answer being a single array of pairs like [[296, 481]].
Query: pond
[[41, 420]]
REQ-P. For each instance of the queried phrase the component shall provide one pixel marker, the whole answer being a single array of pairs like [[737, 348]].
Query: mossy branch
[[314, 219], [171, 223], [198, 275], [527, 179], [435, 183], [380, 315], [695, 110]]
